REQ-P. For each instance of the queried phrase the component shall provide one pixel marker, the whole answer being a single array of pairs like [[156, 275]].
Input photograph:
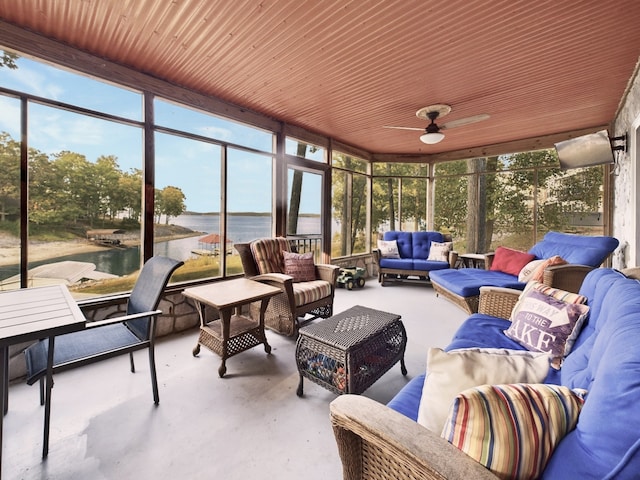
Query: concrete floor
[[248, 425]]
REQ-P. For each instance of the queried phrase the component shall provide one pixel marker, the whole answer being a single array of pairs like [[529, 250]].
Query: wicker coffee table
[[348, 352]]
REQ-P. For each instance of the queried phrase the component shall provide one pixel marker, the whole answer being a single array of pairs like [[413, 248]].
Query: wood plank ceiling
[[345, 69]]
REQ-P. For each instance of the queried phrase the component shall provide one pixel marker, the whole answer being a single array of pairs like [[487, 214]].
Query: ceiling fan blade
[[464, 121], [405, 128]]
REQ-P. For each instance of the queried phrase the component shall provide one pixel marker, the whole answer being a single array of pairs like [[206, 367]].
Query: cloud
[[10, 117]]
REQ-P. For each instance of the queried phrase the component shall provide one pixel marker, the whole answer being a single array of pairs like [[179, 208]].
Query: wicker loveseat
[[262, 260], [583, 253], [386, 442], [413, 262]]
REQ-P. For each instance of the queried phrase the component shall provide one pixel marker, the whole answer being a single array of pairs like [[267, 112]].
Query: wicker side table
[[348, 352], [231, 334]]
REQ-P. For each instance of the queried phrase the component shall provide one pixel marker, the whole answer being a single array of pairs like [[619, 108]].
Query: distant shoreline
[[40, 251]]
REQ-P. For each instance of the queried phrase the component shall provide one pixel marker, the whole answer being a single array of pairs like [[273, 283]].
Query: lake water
[[241, 228]]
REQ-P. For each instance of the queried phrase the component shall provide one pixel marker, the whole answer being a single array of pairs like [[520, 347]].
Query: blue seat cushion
[[407, 400], [466, 282], [477, 331], [398, 263], [77, 345], [429, 265]]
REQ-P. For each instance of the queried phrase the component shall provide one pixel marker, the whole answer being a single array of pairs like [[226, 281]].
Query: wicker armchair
[[297, 303]]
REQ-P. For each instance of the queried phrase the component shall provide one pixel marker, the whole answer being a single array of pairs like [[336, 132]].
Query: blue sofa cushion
[[404, 240], [576, 249], [466, 282], [606, 362], [422, 243]]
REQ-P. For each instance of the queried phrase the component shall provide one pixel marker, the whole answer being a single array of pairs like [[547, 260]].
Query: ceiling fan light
[[431, 138]]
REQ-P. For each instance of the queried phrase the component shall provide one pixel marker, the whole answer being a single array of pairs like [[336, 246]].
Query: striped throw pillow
[[512, 429]]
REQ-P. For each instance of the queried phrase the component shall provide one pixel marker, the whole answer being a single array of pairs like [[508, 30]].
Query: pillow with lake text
[[542, 323], [388, 249]]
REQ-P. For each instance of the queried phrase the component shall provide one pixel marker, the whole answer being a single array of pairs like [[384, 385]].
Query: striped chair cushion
[[512, 429], [267, 252], [308, 292]]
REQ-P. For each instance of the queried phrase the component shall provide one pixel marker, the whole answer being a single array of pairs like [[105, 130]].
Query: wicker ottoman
[[348, 352]]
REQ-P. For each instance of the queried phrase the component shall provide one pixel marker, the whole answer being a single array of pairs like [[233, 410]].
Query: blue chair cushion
[[466, 282]]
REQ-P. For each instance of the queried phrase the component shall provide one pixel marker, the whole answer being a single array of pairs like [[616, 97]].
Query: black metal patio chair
[[113, 336]]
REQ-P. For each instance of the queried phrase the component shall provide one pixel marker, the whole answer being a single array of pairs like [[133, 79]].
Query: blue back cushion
[[577, 249], [405, 247], [422, 243], [605, 361]]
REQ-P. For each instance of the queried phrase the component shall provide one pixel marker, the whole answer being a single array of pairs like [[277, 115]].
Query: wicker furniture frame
[[231, 333], [283, 315], [350, 351]]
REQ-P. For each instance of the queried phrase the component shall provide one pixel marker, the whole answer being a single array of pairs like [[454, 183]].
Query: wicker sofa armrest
[[498, 301], [488, 260], [277, 278], [567, 277], [385, 444]]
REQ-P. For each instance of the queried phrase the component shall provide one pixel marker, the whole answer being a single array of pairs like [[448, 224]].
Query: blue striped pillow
[[512, 429]]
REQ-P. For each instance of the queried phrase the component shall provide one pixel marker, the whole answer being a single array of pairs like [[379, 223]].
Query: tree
[[170, 202], [9, 177], [8, 59], [130, 193]]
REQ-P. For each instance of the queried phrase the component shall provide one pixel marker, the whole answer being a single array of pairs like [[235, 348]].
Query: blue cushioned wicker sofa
[[605, 361], [583, 253], [412, 262]]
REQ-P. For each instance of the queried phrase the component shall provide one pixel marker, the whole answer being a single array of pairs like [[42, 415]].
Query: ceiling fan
[[432, 133]]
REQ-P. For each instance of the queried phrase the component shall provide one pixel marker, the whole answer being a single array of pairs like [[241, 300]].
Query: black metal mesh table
[[348, 352]]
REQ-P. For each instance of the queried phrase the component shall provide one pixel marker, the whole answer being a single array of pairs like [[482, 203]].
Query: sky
[[190, 165]]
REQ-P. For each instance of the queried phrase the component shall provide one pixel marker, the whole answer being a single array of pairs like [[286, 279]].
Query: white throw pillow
[[440, 251], [388, 248], [449, 373], [529, 269]]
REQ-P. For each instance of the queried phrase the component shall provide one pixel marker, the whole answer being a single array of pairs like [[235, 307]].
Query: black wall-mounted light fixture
[[620, 147]]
